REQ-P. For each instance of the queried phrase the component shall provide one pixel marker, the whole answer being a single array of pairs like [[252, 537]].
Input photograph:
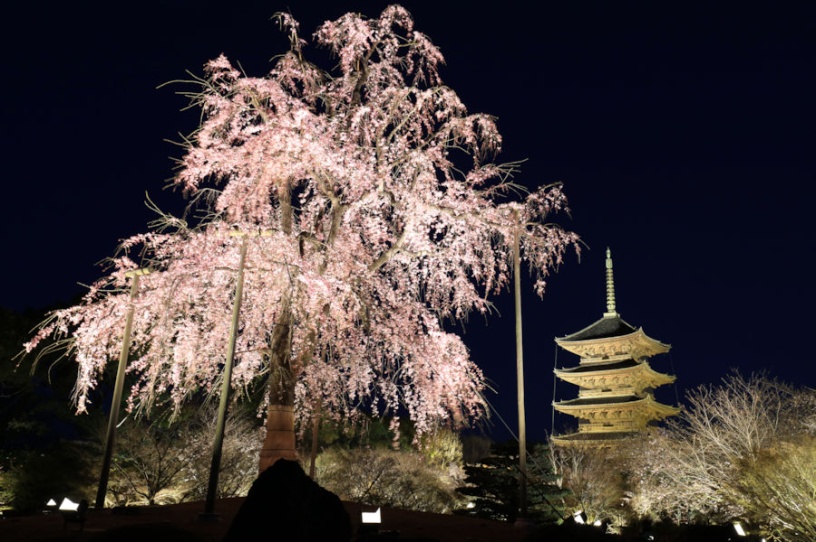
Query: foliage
[[385, 477], [595, 478], [475, 447], [148, 461], [384, 467], [35, 476], [41, 454], [724, 427], [779, 487], [741, 450], [492, 488], [32, 403], [238, 468], [6, 494], [546, 499], [442, 448], [651, 492], [154, 462], [158, 462], [364, 431], [369, 211]]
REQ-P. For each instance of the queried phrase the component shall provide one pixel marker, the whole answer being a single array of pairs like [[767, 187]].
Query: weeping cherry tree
[[370, 211]]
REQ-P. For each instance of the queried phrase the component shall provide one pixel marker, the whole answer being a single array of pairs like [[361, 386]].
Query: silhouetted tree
[[493, 489]]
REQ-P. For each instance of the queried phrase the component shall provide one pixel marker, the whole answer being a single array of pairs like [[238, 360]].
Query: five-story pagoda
[[615, 381]]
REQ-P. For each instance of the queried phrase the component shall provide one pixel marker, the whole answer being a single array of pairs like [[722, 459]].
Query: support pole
[[520, 381], [209, 505], [116, 402]]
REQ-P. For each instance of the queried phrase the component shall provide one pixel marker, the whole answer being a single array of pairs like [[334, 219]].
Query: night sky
[[684, 137]]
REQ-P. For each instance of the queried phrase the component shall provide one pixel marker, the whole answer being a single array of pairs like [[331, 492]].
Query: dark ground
[[181, 523]]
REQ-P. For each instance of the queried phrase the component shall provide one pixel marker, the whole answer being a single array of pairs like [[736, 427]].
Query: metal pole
[[113, 418], [212, 485], [520, 381]]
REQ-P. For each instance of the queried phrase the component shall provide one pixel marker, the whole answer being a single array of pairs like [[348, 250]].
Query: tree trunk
[[315, 441], [280, 436], [279, 442]]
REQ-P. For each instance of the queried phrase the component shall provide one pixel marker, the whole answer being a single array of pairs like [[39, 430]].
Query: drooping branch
[[385, 215]]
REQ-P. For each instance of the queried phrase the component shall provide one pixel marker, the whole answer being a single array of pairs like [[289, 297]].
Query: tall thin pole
[[116, 402], [209, 505], [520, 381]]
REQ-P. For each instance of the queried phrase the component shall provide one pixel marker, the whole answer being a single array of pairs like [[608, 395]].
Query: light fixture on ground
[[67, 505], [370, 521]]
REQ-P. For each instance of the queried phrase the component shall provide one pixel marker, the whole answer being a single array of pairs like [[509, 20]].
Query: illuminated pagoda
[[615, 381]]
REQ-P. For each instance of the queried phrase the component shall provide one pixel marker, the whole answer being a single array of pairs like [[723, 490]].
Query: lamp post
[[113, 418]]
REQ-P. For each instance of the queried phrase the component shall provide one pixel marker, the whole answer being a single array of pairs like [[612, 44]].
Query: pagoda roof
[[611, 336], [635, 369], [611, 325], [600, 401], [616, 365], [592, 438], [603, 403]]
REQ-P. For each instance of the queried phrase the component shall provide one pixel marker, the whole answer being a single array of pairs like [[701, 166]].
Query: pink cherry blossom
[[373, 214]]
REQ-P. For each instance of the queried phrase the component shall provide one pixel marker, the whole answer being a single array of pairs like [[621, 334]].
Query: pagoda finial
[[610, 286]]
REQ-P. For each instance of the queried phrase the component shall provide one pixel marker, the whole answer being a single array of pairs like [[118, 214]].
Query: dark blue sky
[[684, 137]]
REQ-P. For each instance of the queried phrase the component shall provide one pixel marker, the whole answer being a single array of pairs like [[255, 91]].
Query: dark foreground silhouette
[[148, 532], [285, 500]]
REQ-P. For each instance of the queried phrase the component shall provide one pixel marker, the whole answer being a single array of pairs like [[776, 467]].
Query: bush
[[35, 476], [383, 477], [156, 462]]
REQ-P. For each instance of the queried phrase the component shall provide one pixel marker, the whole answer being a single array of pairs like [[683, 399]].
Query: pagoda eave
[[637, 344], [645, 404], [589, 377], [592, 439]]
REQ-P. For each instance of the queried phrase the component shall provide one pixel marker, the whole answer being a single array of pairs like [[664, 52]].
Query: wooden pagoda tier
[[625, 375], [615, 381], [611, 337], [605, 419]]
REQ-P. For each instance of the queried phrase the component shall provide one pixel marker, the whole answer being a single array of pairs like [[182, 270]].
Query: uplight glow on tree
[[373, 214]]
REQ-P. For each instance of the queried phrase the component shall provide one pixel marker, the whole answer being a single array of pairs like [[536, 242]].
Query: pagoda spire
[[610, 286]]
